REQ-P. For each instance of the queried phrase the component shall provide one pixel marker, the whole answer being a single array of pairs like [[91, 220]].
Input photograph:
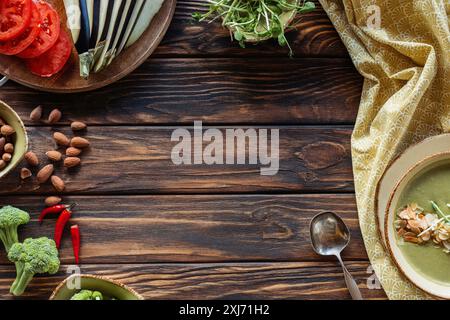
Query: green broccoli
[[32, 256], [10, 219], [87, 295]]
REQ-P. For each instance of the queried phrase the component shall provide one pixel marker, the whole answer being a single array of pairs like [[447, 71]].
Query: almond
[[25, 173], [54, 155], [71, 162], [7, 130], [9, 147], [79, 142], [58, 183], [6, 157], [54, 116], [72, 152], [61, 139], [45, 173], [78, 126], [36, 114], [51, 201], [32, 158], [2, 143], [2, 164]]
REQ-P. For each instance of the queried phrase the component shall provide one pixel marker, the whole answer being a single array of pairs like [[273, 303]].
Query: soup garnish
[[416, 226]]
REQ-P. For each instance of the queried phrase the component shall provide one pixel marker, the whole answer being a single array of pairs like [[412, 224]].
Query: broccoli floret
[[31, 257], [10, 219], [87, 295]]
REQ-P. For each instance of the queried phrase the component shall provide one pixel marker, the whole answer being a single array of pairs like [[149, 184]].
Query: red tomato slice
[[15, 17], [52, 61], [48, 34], [21, 42]]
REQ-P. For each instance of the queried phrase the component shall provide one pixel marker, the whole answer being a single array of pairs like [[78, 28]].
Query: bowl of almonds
[[13, 139]]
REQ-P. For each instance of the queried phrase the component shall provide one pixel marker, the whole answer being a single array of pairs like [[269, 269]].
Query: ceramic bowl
[[434, 288], [398, 168], [106, 286], [20, 140]]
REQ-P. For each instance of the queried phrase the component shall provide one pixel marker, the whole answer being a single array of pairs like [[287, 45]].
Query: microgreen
[[254, 20]]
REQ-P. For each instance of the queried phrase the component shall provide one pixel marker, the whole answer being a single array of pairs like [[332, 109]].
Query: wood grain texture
[[168, 91], [217, 281], [140, 229], [230, 242], [137, 160], [313, 36]]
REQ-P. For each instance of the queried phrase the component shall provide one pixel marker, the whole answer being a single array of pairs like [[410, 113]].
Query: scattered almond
[[6, 157], [2, 164], [25, 173], [78, 126], [54, 155], [58, 183], [7, 130], [51, 201], [36, 114], [73, 152], [9, 147], [44, 174], [79, 142], [71, 162], [61, 139], [54, 116], [32, 158]]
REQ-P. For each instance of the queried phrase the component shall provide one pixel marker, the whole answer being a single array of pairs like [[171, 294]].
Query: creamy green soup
[[431, 184]]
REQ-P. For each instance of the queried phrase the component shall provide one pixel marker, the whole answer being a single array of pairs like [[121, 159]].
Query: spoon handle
[[350, 282]]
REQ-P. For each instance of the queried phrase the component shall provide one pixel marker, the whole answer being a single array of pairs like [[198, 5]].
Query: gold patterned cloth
[[405, 61]]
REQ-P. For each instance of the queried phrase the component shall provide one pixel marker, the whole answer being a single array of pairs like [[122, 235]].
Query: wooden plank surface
[[300, 280], [195, 228], [207, 232], [137, 160], [216, 91], [313, 36]]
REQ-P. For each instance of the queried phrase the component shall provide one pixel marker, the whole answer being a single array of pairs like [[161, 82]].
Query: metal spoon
[[329, 236]]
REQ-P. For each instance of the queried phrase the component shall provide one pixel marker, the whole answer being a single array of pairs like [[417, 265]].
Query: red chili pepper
[[75, 232], [54, 210], [60, 224]]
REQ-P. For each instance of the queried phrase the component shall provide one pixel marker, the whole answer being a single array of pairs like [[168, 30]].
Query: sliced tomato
[[21, 42], [52, 61], [15, 17], [48, 34]]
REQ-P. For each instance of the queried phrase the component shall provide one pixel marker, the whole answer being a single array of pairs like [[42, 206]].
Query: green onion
[[439, 211], [254, 20]]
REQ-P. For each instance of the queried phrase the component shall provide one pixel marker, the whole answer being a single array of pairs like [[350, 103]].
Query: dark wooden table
[[207, 232]]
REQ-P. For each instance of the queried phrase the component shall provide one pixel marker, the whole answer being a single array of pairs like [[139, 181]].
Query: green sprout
[[253, 20]]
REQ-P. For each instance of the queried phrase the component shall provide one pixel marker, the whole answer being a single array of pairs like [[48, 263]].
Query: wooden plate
[[69, 79]]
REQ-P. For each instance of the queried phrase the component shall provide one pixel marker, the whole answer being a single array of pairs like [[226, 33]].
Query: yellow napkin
[[404, 55]]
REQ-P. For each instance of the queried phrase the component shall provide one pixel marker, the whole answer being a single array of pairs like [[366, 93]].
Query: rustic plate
[[424, 282], [69, 79], [112, 288], [21, 137], [398, 168]]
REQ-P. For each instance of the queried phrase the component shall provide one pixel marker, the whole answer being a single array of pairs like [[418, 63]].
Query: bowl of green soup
[[93, 287], [417, 225]]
